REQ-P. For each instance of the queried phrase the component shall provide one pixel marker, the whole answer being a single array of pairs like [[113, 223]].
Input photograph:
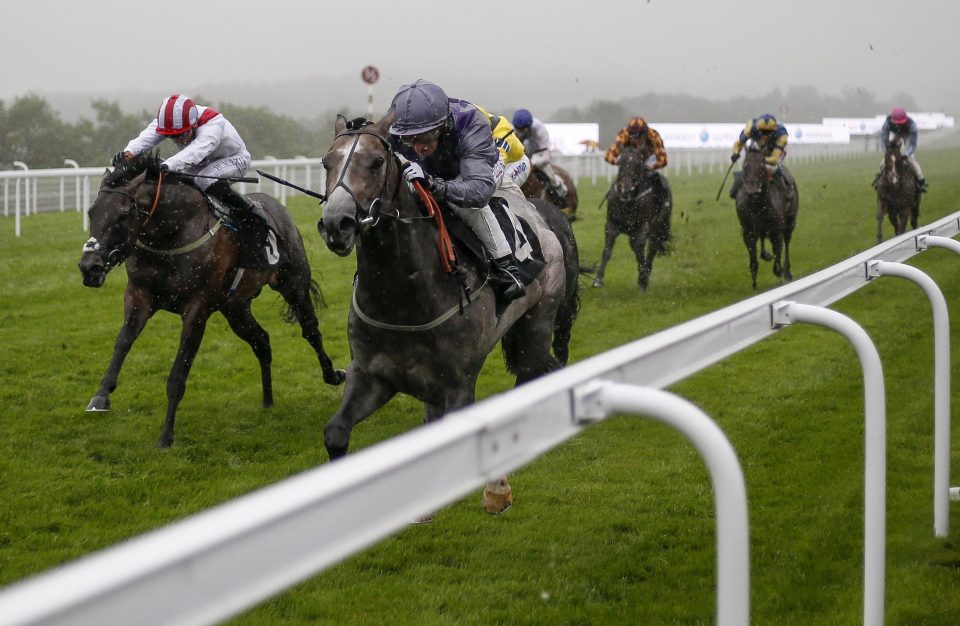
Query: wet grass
[[616, 526]]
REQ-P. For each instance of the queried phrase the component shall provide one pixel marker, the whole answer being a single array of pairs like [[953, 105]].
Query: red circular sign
[[370, 74]]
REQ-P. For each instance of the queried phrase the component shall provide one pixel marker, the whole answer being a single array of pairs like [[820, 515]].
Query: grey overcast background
[[305, 56]]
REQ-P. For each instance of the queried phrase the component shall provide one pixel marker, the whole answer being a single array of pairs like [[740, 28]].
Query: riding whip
[[600, 206], [314, 194], [719, 191], [232, 179]]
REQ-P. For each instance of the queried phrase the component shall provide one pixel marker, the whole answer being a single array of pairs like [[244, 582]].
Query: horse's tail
[[289, 313]]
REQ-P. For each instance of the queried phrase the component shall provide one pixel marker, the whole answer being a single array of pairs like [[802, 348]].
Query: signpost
[[370, 74]]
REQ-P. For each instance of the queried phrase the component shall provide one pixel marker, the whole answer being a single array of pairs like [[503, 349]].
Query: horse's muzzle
[[93, 270], [339, 235]]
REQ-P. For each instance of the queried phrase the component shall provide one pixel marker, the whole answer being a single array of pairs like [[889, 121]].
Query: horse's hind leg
[[302, 295], [776, 243], [766, 256], [751, 243], [137, 312], [246, 326], [610, 238]]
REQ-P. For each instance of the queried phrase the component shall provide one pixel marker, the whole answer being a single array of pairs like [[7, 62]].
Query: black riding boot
[[251, 226], [506, 280], [922, 185]]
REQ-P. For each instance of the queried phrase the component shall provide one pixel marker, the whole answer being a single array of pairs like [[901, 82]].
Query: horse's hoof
[[423, 519], [766, 256], [338, 377], [498, 498], [99, 404], [165, 441]]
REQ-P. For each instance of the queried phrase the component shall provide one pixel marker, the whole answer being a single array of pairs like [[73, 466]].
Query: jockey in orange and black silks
[[638, 133]]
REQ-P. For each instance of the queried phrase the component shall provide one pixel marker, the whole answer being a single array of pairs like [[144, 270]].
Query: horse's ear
[[340, 125], [383, 125]]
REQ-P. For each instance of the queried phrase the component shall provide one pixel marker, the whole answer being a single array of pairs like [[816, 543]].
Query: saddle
[[524, 243], [259, 241]]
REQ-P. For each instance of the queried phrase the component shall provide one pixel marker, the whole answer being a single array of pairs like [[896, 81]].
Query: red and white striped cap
[[177, 115]]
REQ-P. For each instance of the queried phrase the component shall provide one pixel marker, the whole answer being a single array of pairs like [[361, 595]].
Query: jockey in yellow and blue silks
[[772, 138], [515, 161]]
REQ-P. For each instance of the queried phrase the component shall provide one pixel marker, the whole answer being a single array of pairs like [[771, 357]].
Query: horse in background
[[414, 326], [766, 211], [537, 186], [898, 195], [635, 209], [181, 257]]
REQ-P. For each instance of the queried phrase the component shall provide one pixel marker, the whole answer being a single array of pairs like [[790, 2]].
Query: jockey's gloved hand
[[412, 171], [117, 159], [734, 157], [164, 168]]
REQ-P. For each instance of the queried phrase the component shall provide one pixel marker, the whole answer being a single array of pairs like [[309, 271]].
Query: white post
[[76, 181], [16, 224], [598, 399], [941, 386], [784, 313]]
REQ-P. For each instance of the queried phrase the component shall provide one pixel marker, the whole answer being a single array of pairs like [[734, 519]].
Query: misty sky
[[515, 53]]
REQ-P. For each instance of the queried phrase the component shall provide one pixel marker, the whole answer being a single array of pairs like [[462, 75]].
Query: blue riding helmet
[[522, 118], [419, 107]]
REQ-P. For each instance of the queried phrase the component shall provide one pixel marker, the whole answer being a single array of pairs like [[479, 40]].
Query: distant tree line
[[798, 104], [31, 131]]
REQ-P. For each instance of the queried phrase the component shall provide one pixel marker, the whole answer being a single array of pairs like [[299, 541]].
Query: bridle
[[371, 213], [116, 255]]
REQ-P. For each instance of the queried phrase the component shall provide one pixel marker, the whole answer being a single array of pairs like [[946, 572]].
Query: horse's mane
[[128, 170]]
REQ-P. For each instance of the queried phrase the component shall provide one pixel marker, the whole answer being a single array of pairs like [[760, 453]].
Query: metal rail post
[[941, 386], [598, 399], [785, 313]]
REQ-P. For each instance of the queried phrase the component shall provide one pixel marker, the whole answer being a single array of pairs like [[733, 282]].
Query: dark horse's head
[[893, 163], [755, 172], [115, 218], [361, 169], [631, 171]]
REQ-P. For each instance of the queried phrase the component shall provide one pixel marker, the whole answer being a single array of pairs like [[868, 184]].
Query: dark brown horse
[[766, 211], [411, 328], [181, 258], [536, 186], [635, 209], [898, 196]]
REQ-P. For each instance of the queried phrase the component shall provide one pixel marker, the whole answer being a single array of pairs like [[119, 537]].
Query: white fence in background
[[27, 192], [223, 561]]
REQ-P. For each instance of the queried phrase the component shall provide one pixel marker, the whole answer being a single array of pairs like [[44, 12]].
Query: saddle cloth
[[523, 241]]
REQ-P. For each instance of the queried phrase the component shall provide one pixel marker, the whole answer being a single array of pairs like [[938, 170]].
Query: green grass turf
[[615, 526]]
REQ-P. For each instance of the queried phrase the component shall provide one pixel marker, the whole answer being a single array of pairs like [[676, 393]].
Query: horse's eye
[[377, 162]]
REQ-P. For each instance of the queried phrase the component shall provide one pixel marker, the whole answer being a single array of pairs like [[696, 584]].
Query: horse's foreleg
[[137, 311], [246, 326], [194, 325], [776, 243], [610, 238], [751, 243], [881, 211], [638, 241], [362, 395]]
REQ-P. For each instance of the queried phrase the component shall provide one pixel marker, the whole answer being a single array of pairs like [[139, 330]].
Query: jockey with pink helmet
[[899, 124], [208, 146]]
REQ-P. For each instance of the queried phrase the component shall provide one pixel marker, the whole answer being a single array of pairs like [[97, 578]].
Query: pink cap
[[898, 116]]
